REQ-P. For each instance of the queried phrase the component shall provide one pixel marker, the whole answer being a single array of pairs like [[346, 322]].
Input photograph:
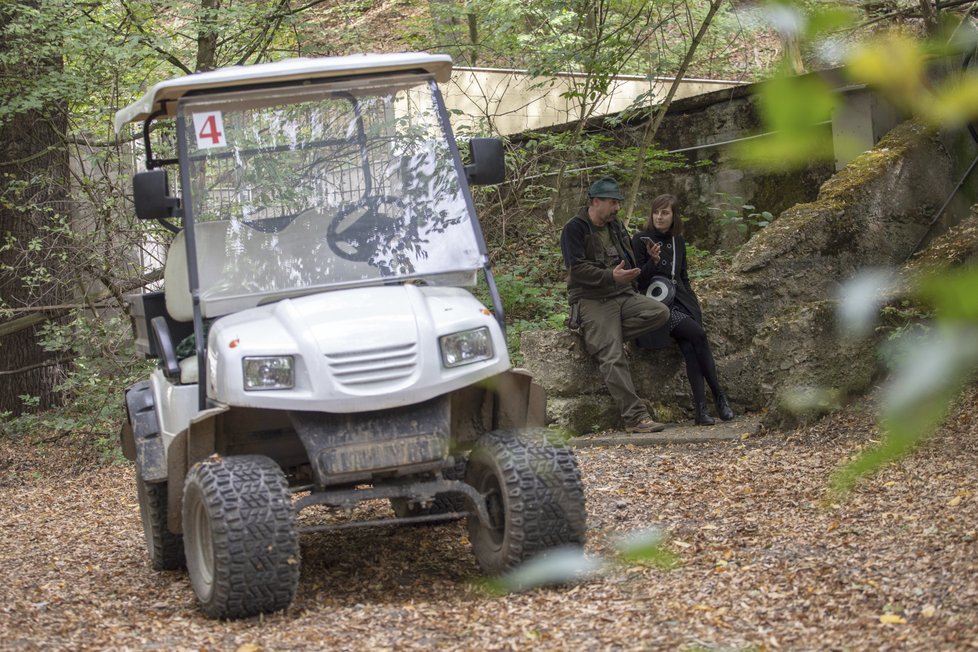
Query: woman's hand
[[654, 249]]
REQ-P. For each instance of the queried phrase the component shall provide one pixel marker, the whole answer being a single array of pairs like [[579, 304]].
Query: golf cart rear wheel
[[240, 537], [533, 494], [442, 504], [165, 548]]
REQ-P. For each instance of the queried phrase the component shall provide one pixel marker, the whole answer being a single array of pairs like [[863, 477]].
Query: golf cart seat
[[179, 302], [188, 371], [165, 346], [211, 238]]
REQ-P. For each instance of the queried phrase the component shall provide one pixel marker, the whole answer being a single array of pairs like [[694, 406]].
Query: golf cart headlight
[[466, 347], [271, 372]]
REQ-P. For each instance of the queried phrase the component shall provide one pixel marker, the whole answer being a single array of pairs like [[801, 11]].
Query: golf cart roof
[[165, 94]]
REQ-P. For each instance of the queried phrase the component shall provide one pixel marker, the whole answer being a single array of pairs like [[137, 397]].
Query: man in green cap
[[601, 271]]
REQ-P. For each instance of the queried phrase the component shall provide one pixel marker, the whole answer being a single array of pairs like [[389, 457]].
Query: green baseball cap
[[606, 188]]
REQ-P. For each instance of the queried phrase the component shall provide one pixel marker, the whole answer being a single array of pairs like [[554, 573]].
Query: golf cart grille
[[381, 366]]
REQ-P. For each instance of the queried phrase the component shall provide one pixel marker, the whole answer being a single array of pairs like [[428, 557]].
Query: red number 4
[[209, 130]]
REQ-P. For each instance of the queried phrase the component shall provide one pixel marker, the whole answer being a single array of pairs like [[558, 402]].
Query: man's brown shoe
[[644, 426]]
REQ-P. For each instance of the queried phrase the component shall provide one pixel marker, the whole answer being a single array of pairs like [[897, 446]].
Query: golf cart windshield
[[329, 184]]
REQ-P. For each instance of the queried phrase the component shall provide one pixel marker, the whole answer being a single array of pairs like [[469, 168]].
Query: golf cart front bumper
[[345, 448]]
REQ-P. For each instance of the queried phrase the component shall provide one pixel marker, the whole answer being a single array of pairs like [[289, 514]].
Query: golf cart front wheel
[[533, 493], [240, 537]]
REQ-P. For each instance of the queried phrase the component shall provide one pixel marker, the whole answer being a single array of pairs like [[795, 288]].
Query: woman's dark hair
[[663, 201]]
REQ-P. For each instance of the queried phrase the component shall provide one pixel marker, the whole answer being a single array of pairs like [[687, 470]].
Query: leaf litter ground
[[769, 560]]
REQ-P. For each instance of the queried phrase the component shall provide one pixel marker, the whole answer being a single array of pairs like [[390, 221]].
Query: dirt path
[[767, 562]]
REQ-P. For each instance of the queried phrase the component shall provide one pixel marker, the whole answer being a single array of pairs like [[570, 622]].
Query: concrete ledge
[[742, 427]]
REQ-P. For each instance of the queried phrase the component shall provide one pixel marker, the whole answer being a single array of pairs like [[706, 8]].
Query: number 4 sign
[[209, 129]]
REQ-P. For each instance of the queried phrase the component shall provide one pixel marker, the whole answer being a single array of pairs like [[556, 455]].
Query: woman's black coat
[[685, 297]]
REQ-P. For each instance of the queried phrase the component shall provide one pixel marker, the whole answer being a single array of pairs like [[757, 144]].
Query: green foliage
[[932, 348], [646, 547], [952, 294], [930, 367], [898, 66], [903, 325], [103, 365], [930, 359], [703, 263], [532, 299], [535, 166], [731, 209], [520, 297], [566, 566], [550, 37], [546, 152], [632, 37], [795, 111]]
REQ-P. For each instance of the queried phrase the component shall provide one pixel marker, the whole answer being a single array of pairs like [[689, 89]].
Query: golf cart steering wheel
[[359, 229]]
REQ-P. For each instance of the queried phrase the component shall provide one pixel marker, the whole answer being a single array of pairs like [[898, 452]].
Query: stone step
[[686, 432]]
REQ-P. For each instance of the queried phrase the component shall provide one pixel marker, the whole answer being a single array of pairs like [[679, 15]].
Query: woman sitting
[[661, 251]]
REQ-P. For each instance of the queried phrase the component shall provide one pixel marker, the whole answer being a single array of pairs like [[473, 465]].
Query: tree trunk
[[33, 192], [792, 53], [929, 13], [207, 36], [473, 37]]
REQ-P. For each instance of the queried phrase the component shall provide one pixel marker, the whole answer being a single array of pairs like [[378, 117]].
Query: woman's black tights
[[699, 358]]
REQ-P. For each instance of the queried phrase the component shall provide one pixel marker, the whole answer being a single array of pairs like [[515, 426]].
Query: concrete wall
[[511, 101]]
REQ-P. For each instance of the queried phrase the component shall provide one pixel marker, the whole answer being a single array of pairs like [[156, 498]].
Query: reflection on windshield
[[326, 185]]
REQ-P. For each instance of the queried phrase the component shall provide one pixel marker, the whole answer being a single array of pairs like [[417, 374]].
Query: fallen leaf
[[954, 502], [892, 619], [928, 611]]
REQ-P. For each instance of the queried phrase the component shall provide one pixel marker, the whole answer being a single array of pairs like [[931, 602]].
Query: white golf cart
[[316, 340]]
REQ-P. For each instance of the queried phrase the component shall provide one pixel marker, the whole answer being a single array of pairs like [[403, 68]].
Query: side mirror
[[488, 163], [151, 195]]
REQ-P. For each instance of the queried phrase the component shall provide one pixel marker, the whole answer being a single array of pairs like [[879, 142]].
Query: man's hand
[[622, 275]]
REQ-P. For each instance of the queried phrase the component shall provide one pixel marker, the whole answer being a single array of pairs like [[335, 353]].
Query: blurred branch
[[39, 365]]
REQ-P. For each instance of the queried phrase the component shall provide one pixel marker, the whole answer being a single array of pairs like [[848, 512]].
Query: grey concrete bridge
[[511, 101]]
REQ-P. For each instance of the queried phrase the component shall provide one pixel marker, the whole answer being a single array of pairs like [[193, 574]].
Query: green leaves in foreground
[[796, 112], [796, 109], [570, 565], [927, 375], [646, 547], [898, 66], [561, 566]]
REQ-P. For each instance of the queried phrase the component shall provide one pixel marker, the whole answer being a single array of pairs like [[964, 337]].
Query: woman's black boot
[[703, 417], [723, 407]]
